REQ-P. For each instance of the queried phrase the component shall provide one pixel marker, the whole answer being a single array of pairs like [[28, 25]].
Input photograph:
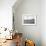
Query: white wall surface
[[43, 22], [37, 32], [6, 13], [29, 7]]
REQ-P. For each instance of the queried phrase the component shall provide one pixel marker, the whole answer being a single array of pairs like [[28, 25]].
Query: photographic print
[[28, 19]]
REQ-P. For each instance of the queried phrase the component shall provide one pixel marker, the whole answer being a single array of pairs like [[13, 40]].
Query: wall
[[6, 13], [29, 7], [43, 22]]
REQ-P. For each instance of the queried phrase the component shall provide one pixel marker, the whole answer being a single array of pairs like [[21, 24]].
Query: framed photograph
[[28, 19]]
